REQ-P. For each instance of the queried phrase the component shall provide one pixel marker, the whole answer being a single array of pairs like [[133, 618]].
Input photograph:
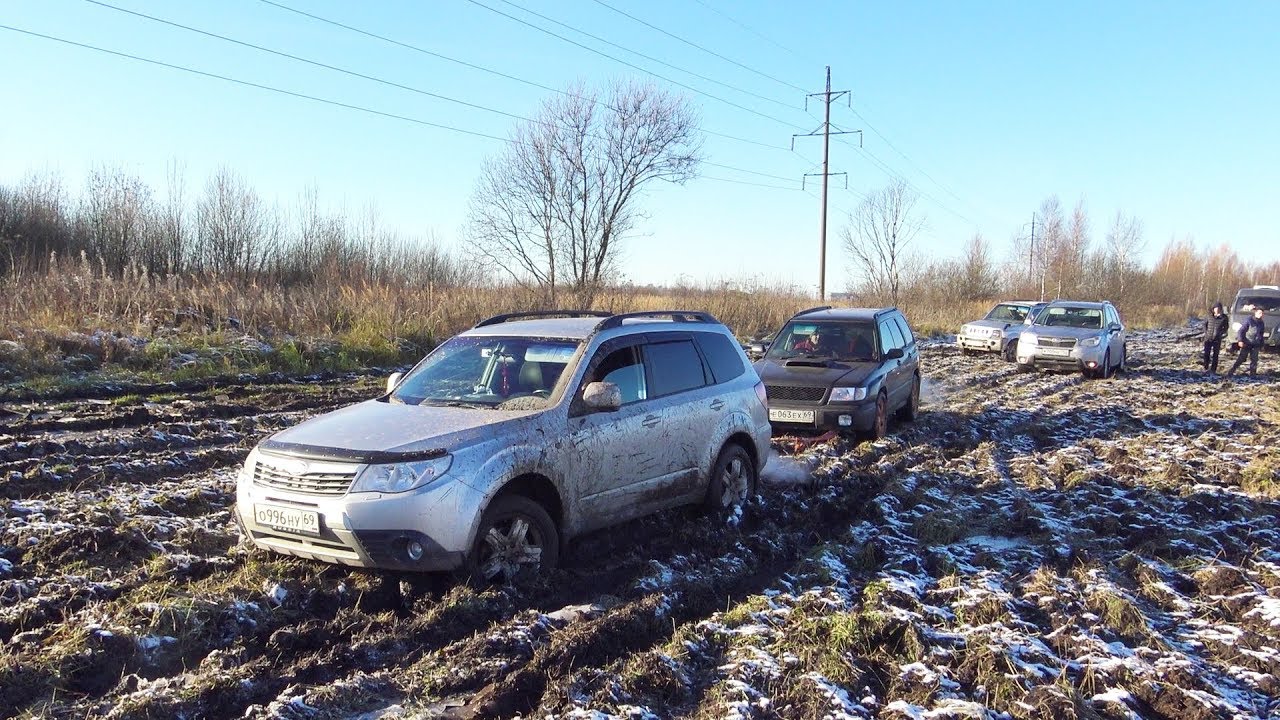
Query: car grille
[[315, 483], [1057, 342], [795, 394]]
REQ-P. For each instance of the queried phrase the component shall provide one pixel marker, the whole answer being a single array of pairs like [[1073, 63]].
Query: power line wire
[[248, 83], [630, 64], [377, 79], [700, 47], [758, 34], [747, 182], [481, 68], [335, 103], [650, 58], [903, 155], [884, 167]]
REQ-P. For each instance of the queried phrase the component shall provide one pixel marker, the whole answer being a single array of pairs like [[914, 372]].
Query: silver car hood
[[375, 427], [1064, 332]]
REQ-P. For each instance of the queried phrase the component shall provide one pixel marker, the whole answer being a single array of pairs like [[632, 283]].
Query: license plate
[[1056, 352], [288, 519], [792, 416]]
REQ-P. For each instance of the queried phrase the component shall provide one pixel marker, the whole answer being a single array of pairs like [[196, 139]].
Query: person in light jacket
[[1215, 331], [1249, 339]]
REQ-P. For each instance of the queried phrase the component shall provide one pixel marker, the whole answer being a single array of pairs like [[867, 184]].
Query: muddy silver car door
[[689, 408], [608, 455]]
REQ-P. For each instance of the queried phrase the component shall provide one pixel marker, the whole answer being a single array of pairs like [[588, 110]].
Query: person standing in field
[[1249, 340], [1215, 331]]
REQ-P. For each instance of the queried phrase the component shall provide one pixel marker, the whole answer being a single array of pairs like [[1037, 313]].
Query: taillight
[[760, 393]]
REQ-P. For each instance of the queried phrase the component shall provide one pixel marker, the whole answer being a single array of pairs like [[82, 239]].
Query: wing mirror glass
[[603, 396], [894, 354]]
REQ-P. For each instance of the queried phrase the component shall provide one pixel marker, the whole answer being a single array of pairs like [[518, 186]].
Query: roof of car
[[843, 314], [1259, 291], [1077, 304], [1023, 302], [570, 328]]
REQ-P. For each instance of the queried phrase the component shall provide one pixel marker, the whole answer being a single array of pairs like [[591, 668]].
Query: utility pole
[[826, 132]]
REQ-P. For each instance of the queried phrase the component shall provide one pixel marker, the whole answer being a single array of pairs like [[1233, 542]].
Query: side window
[[624, 369], [724, 358], [907, 337], [673, 367], [890, 338]]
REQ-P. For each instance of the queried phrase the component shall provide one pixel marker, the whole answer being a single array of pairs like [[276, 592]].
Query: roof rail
[[508, 317], [614, 321], [812, 309]]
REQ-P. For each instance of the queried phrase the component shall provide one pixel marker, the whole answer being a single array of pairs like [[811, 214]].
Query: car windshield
[[1076, 317], [1004, 312], [507, 373], [1246, 303], [845, 341]]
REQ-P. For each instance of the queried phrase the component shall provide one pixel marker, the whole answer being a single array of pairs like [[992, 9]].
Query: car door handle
[[717, 404], [651, 421]]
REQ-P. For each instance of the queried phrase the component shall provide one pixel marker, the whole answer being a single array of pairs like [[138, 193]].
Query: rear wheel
[[516, 540], [733, 480]]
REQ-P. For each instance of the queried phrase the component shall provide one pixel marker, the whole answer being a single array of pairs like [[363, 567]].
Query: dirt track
[[1040, 546]]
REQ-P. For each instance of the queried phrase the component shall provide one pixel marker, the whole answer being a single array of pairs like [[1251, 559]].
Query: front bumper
[[985, 343], [1078, 357], [371, 530], [861, 416]]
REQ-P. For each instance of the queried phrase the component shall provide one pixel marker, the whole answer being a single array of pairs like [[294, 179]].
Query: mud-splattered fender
[[507, 464], [731, 424]]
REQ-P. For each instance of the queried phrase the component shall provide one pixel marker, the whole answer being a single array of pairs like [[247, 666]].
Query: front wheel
[[733, 480], [1011, 351], [909, 411], [516, 540], [880, 426]]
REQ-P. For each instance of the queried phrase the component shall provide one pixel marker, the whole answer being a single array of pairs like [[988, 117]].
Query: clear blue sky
[[1165, 110]]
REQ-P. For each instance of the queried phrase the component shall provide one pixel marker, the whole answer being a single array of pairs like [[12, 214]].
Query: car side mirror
[[894, 354], [1114, 327], [393, 381], [602, 396]]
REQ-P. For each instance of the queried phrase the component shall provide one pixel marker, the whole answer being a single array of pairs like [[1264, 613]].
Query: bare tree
[[1124, 245], [232, 223], [978, 275], [878, 237], [550, 210]]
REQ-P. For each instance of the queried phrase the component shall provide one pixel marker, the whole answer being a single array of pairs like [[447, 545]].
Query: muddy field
[[1032, 546]]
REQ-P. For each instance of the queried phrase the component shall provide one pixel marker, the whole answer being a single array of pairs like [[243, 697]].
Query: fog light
[[1092, 364], [414, 549], [845, 420]]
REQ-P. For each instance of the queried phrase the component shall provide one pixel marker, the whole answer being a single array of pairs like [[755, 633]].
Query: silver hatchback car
[[1085, 336], [511, 438]]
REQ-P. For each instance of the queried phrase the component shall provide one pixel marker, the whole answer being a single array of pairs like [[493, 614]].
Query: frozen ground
[[1033, 546]]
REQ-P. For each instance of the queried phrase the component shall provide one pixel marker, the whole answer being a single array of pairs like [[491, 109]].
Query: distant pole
[[827, 96], [826, 154], [1031, 256]]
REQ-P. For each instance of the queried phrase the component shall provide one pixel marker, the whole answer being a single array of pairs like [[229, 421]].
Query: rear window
[[722, 356], [673, 367], [1246, 303]]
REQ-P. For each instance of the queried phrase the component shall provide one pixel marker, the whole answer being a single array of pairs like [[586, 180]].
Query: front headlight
[[1090, 342], [1028, 338], [848, 394], [246, 470], [995, 332], [401, 477]]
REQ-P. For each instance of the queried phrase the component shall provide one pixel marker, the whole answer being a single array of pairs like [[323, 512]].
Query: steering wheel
[[541, 393]]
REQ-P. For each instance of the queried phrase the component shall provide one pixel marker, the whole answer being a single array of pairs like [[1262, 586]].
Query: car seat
[[531, 377]]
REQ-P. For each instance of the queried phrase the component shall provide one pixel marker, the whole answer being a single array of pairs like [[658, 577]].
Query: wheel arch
[[538, 488]]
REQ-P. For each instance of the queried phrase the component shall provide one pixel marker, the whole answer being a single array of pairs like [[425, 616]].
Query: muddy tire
[[516, 540], [733, 480], [1011, 351], [880, 425], [909, 411], [1104, 372], [1123, 365]]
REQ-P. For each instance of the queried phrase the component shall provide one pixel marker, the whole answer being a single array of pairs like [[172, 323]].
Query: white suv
[[511, 438]]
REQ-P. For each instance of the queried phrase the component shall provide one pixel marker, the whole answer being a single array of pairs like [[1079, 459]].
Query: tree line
[[1061, 259]]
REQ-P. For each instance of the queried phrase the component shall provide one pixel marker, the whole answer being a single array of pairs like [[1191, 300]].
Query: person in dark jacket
[[1249, 340], [1215, 331]]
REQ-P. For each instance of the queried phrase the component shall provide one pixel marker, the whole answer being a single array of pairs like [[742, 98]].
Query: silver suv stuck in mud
[[1084, 336], [511, 438], [998, 331]]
